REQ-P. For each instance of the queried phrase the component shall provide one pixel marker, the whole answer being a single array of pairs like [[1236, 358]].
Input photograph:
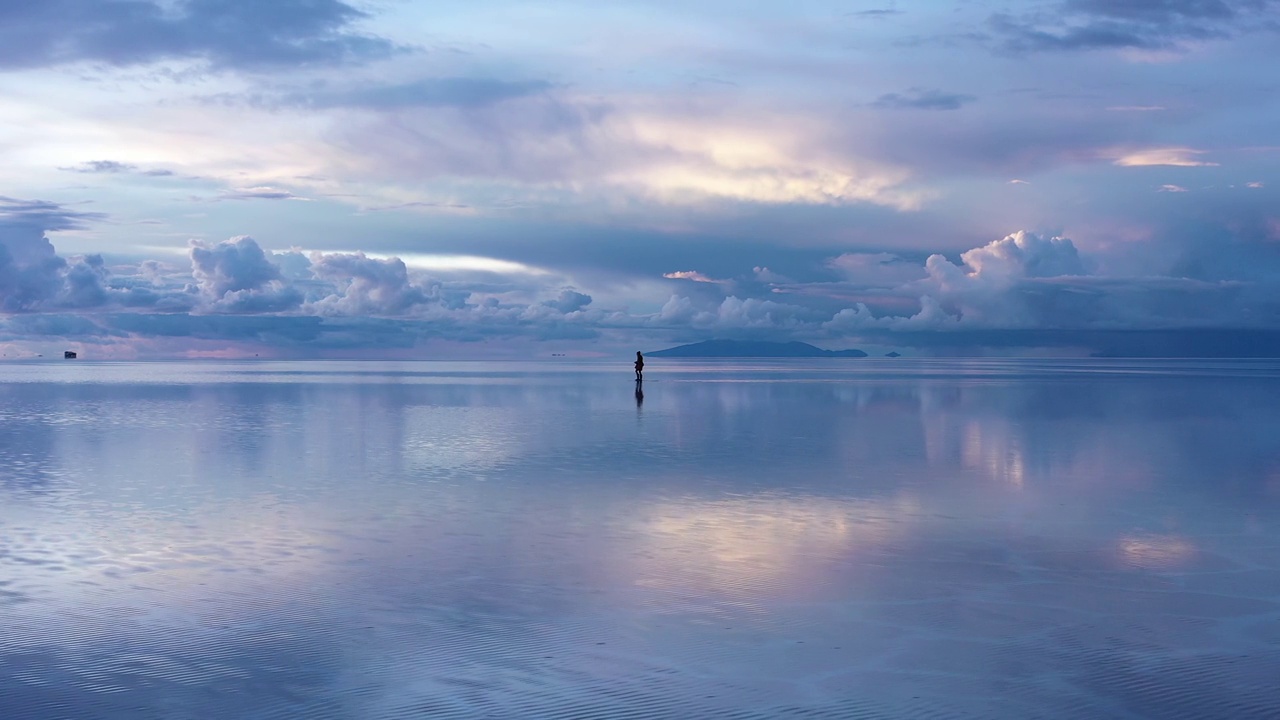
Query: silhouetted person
[[639, 367]]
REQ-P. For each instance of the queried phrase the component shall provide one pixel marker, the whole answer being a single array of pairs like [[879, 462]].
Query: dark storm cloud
[[1139, 24], [921, 99], [226, 33]]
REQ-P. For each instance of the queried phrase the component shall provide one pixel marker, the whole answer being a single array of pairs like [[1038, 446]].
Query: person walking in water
[[639, 367]]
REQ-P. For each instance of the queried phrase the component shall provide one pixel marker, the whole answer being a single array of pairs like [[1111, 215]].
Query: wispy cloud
[[114, 167], [1173, 156], [923, 99], [692, 275], [259, 193], [1083, 25]]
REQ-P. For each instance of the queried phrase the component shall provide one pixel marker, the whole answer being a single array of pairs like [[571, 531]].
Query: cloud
[[456, 92], [43, 215], [1255, 185], [922, 99], [84, 283], [875, 269], [877, 14], [236, 276], [1082, 25], [569, 301], [734, 316], [1172, 156], [1172, 189], [114, 167], [32, 275], [223, 33], [1023, 285], [101, 166], [1136, 108], [259, 193], [554, 146], [1021, 254], [367, 286], [692, 275]]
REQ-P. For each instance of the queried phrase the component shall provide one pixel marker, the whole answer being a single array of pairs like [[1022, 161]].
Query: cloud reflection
[[762, 546]]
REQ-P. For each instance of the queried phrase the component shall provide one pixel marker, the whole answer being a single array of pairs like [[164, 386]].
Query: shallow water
[[840, 539]]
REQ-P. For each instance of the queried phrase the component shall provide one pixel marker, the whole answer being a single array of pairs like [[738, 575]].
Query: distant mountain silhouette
[[748, 349]]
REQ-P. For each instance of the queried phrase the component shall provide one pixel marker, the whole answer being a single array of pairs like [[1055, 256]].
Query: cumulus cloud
[[569, 301], [734, 316], [236, 276], [1024, 284], [994, 284], [32, 274], [367, 286], [1172, 189], [1022, 254]]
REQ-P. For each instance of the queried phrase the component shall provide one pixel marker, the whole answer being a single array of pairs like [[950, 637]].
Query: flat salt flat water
[[813, 539]]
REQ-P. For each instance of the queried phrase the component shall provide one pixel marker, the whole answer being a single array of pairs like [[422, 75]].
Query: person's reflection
[[639, 394]]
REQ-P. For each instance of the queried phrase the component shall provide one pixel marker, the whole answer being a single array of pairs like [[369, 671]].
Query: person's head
[[638, 354]]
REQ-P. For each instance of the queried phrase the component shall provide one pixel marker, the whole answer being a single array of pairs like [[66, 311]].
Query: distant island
[[748, 349]]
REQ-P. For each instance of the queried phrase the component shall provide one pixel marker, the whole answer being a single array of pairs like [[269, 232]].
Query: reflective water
[[841, 539]]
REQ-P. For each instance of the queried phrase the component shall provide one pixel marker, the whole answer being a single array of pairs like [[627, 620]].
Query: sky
[[397, 179]]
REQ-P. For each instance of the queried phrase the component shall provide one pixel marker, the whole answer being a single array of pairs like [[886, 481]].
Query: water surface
[[836, 538]]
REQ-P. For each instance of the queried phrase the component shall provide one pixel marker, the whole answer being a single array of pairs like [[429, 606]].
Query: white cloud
[[1172, 156], [367, 286], [236, 276], [1172, 189], [692, 275]]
